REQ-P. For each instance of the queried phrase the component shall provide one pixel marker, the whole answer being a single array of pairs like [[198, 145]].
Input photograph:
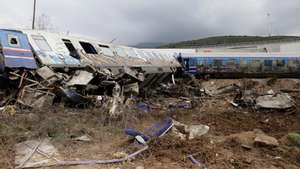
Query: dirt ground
[[229, 144]]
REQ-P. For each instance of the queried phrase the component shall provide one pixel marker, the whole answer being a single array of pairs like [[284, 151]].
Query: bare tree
[[44, 23]]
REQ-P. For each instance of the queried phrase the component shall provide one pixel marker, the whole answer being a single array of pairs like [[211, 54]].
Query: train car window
[[106, 50], [217, 62], [280, 63], [71, 48], [13, 41], [268, 62], [69, 45], [88, 48], [41, 43]]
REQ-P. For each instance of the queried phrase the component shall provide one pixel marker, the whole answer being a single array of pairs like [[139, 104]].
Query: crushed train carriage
[[78, 66]]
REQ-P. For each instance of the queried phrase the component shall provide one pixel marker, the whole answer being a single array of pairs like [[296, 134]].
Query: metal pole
[[33, 17]]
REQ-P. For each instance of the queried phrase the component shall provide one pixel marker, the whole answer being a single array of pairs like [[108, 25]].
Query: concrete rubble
[[265, 140], [277, 101], [183, 131]]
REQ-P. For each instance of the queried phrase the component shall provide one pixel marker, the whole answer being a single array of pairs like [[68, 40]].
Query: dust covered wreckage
[[43, 66]]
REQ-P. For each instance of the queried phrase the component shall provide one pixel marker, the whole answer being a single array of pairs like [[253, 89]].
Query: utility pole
[[33, 17], [269, 24]]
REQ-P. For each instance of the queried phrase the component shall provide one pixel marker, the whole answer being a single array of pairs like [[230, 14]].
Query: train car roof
[[217, 55]]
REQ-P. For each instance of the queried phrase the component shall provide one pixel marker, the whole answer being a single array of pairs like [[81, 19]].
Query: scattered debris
[[271, 92], [177, 134], [120, 154], [265, 140], [34, 154], [94, 162], [143, 107], [196, 131], [196, 162], [191, 131], [139, 167], [277, 101], [156, 130], [35, 98], [47, 74], [82, 78], [9, 110], [84, 138]]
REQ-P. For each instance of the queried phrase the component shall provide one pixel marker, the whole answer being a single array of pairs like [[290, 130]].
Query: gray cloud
[[134, 21]]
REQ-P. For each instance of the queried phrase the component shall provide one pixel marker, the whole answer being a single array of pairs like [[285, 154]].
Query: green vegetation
[[294, 138], [228, 40]]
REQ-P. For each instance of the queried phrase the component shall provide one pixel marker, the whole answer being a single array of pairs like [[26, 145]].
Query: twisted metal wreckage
[[46, 67]]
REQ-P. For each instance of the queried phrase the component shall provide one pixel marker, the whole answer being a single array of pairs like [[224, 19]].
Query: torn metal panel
[[35, 154], [81, 78], [132, 73], [132, 88], [47, 74], [36, 99]]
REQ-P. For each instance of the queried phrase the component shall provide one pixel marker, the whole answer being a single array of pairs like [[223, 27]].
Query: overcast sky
[[135, 21]]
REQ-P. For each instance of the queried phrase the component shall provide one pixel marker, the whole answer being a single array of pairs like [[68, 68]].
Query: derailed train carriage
[[31, 49], [76, 68], [236, 65]]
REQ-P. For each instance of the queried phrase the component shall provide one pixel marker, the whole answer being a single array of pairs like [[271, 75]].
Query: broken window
[[13, 41], [106, 50], [71, 48], [88, 48], [41, 43]]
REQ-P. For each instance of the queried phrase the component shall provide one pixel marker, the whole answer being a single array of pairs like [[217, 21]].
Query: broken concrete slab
[[265, 140], [192, 131], [81, 78], [33, 154], [278, 101]]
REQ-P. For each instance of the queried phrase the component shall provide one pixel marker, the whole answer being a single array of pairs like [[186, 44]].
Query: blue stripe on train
[[20, 63]]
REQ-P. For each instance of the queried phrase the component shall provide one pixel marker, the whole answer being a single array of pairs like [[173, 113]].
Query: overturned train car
[[32, 49], [242, 64]]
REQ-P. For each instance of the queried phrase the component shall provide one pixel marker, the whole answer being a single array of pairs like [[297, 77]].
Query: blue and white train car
[[15, 51], [242, 64]]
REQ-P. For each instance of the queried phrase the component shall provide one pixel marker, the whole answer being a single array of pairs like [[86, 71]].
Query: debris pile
[[79, 88]]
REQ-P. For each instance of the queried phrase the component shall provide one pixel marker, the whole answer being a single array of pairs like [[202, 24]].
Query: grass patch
[[294, 138]]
